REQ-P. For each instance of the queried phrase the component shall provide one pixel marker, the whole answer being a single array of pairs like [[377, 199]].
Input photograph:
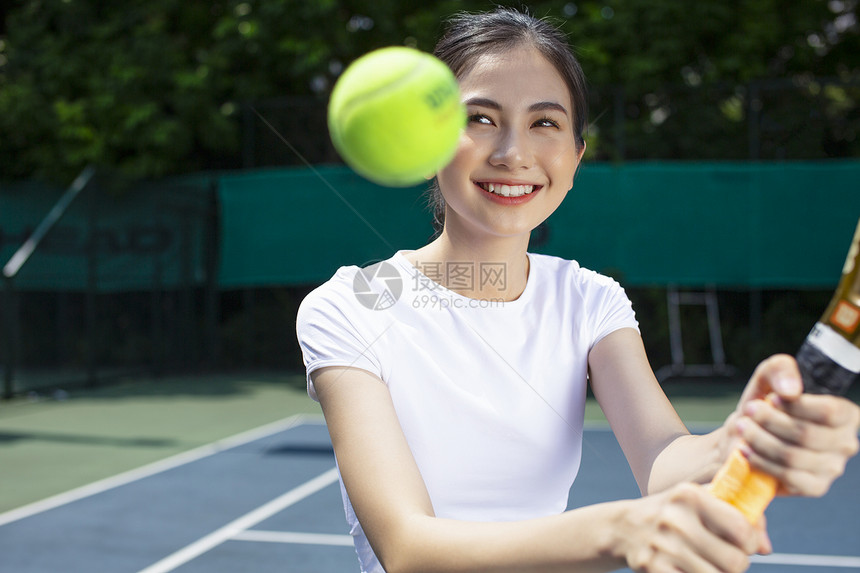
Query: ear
[[579, 155]]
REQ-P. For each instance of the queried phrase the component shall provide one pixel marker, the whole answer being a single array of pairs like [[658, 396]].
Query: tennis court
[[267, 498], [169, 192]]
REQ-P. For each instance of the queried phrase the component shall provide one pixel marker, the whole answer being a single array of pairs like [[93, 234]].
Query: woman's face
[[517, 157]]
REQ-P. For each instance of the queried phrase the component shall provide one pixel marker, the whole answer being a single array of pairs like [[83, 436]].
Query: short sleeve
[[329, 331], [612, 309]]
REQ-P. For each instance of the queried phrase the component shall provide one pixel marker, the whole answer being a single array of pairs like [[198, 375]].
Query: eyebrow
[[537, 106]]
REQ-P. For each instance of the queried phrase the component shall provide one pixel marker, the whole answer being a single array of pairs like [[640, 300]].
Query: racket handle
[[829, 362], [748, 489], [821, 360]]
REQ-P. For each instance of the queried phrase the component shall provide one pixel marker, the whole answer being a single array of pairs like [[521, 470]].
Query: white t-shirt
[[490, 395]]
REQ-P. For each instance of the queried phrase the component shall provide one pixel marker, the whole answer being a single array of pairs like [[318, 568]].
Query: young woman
[[456, 407]]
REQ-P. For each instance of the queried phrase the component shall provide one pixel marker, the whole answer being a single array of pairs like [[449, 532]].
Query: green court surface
[[49, 446]]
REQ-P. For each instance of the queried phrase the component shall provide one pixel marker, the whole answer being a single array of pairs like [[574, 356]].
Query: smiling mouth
[[508, 190]]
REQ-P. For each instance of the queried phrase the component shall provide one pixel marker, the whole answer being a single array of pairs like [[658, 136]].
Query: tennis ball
[[395, 116]]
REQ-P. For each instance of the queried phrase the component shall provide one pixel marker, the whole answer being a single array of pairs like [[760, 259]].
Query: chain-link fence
[[126, 281], [780, 119], [122, 282]]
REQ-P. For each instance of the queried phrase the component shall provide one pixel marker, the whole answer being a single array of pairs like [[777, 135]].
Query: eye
[[546, 122], [480, 118]]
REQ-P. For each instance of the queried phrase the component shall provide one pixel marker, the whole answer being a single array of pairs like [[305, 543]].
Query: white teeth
[[508, 190]]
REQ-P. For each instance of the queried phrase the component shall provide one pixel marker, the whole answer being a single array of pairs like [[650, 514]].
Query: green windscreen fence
[[297, 226], [759, 225], [151, 236]]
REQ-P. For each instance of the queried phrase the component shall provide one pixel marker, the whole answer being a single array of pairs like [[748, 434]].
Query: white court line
[[155, 467], [807, 560], [235, 527], [294, 537], [347, 541]]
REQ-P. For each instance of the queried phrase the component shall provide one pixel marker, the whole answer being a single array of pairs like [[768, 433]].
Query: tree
[[157, 87], [684, 73], [147, 87]]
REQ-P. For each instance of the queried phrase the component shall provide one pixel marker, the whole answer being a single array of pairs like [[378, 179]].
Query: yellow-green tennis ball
[[395, 116]]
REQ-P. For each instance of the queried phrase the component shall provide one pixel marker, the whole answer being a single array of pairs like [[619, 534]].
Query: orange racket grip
[[746, 488]]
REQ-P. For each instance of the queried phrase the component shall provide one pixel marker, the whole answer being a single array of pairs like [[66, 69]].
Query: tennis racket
[[829, 362]]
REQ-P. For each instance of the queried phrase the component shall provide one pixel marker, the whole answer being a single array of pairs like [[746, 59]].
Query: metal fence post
[[210, 234], [754, 120], [619, 121], [92, 289], [10, 315]]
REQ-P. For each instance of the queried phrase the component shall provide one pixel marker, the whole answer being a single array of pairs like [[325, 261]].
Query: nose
[[512, 150]]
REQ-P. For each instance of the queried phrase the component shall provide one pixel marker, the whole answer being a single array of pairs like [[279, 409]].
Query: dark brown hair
[[470, 36]]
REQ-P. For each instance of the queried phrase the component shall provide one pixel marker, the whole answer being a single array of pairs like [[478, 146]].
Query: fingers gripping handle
[[829, 362]]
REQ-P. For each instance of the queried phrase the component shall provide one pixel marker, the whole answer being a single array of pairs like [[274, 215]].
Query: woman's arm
[[804, 440], [658, 447], [684, 526]]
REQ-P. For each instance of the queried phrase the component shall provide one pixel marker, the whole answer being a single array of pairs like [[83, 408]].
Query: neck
[[489, 268]]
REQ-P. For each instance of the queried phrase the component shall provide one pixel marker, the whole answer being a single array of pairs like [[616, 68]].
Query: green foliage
[[686, 70], [156, 87]]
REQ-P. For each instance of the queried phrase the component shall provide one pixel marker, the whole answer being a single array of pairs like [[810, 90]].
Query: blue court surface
[[269, 501]]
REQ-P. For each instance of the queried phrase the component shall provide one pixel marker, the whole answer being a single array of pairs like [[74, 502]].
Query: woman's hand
[[805, 440], [685, 528]]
